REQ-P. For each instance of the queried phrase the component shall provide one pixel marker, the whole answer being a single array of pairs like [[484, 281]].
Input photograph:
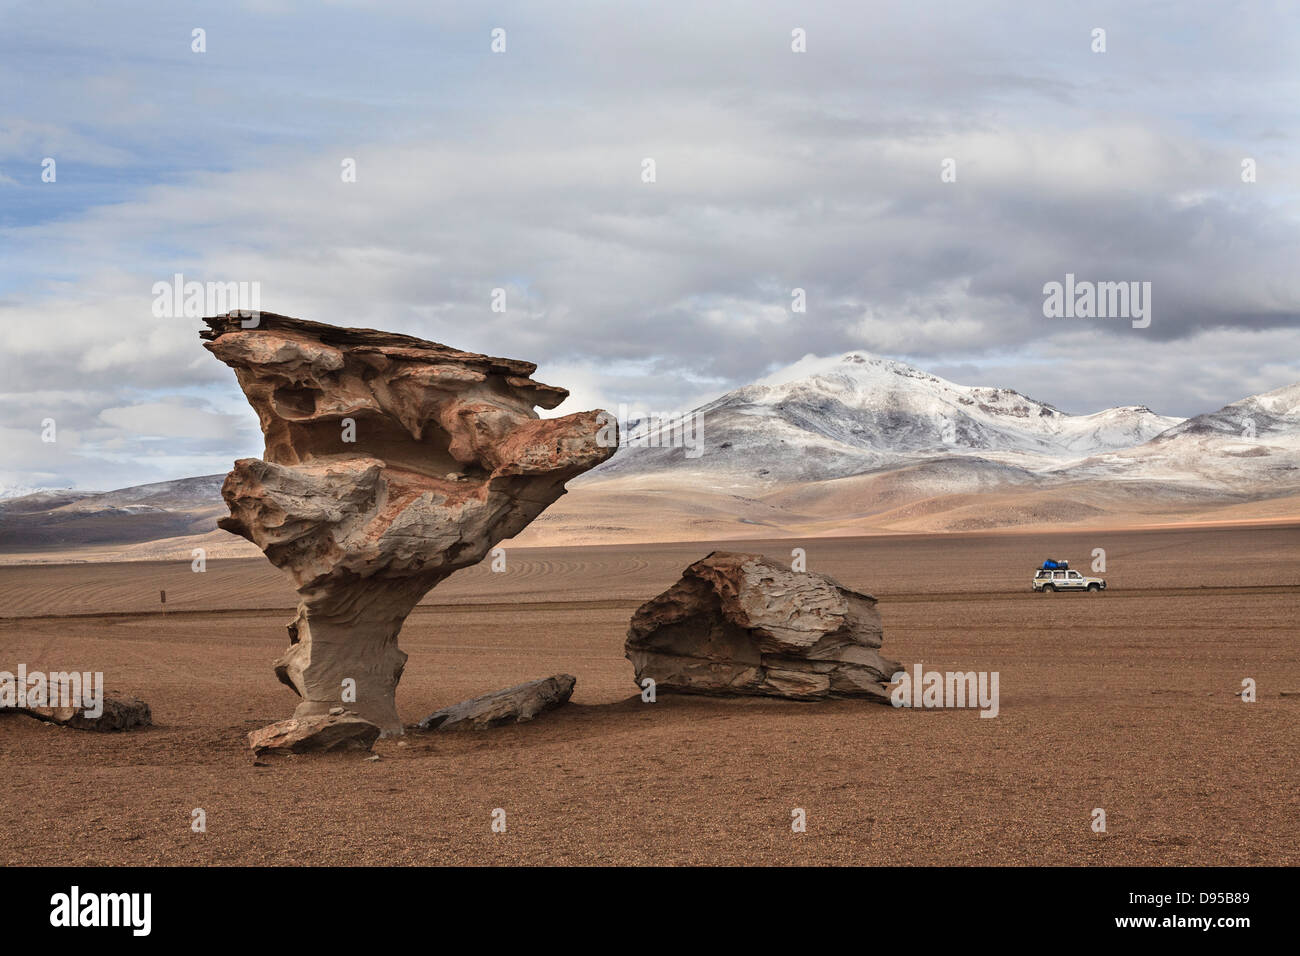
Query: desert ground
[[650, 508], [1124, 700]]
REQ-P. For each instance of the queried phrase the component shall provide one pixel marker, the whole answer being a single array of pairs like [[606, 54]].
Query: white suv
[[1062, 580]]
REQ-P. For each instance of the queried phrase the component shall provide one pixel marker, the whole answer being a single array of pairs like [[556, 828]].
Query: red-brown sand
[[1123, 700]]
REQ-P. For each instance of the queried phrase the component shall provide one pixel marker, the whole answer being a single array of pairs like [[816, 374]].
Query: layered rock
[[741, 624], [390, 462], [514, 705], [115, 712], [315, 733]]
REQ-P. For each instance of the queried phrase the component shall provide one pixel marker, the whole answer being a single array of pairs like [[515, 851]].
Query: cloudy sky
[[523, 170]]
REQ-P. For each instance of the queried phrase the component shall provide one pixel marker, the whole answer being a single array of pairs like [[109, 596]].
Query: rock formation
[[390, 462], [117, 712], [741, 624], [315, 733], [515, 705]]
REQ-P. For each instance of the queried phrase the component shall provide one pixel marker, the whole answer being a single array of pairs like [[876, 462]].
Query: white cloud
[[775, 171]]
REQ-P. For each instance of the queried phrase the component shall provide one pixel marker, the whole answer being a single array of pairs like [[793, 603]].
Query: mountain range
[[859, 444], [845, 445], [832, 418]]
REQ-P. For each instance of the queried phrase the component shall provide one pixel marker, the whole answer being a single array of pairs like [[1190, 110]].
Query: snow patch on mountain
[[1250, 446], [27, 491], [825, 418]]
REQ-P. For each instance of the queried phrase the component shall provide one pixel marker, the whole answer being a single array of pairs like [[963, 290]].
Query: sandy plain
[[1124, 700]]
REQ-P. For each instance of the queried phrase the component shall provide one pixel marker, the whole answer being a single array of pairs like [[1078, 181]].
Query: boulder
[[740, 624], [390, 463], [315, 733], [515, 705]]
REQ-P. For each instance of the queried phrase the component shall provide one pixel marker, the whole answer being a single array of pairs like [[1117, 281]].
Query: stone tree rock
[[741, 624], [390, 462]]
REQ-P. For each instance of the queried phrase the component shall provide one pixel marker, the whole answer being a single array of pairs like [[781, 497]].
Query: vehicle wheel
[[1049, 588], [1094, 588]]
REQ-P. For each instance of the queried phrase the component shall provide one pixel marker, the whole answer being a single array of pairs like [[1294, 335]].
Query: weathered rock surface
[[515, 705], [120, 712], [315, 733], [390, 462], [741, 624]]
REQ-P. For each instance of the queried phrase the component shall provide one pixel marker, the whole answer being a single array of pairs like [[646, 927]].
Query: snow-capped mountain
[[182, 493], [1268, 418], [8, 492], [1248, 446], [826, 446], [143, 513], [831, 418]]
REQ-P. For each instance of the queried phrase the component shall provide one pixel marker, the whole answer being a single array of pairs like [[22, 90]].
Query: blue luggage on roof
[[1053, 565]]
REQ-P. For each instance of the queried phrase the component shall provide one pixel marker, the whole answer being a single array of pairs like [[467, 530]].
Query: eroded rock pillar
[[390, 463]]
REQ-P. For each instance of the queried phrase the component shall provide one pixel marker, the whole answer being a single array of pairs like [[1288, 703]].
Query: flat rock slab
[[317, 733], [120, 712], [740, 624], [515, 705]]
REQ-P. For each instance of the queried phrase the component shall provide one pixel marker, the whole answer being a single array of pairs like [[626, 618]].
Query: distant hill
[[57, 520], [850, 445]]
